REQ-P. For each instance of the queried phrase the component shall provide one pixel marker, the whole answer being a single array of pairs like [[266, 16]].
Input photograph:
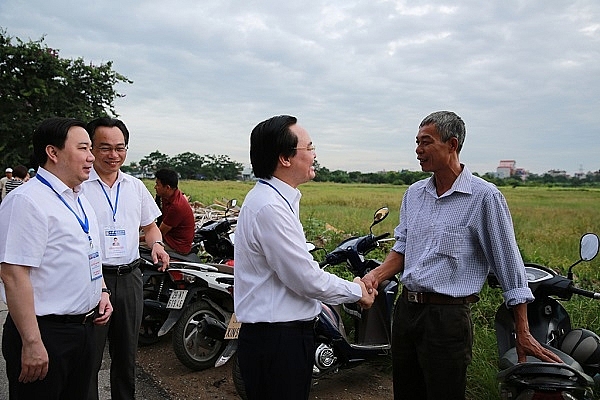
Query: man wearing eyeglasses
[[123, 205], [278, 286]]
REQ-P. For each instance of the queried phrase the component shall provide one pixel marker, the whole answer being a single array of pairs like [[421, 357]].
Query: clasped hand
[[368, 295]]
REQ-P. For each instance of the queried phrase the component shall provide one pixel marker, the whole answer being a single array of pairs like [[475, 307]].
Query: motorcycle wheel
[[194, 349], [238, 382], [149, 328]]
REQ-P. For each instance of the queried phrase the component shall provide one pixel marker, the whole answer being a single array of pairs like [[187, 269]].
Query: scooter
[[339, 345], [200, 307], [214, 240], [550, 324]]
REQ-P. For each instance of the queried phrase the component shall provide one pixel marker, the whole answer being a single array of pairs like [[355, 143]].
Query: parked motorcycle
[[213, 239], [368, 333], [217, 237], [200, 308], [550, 324]]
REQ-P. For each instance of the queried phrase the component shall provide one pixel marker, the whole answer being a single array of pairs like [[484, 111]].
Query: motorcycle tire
[[194, 349], [236, 375]]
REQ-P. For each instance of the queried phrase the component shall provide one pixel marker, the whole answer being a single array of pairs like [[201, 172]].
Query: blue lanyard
[[114, 210], [85, 225], [278, 192]]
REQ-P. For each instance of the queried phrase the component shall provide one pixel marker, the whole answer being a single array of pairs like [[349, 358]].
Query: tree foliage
[[37, 84], [189, 166]]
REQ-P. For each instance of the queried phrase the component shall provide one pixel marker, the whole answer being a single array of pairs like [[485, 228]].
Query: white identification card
[[114, 242], [95, 263]]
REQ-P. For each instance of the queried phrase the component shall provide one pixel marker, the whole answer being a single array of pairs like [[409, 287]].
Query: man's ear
[[284, 161], [453, 144], [52, 153]]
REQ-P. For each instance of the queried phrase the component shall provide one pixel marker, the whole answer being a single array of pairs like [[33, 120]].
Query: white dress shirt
[[276, 278], [39, 231], [135, 207]]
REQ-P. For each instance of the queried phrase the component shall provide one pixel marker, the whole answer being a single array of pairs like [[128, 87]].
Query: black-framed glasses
[[310, 147], [109, 149]]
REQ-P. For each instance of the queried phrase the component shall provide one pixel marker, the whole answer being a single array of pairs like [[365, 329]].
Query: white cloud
[[359, 75]]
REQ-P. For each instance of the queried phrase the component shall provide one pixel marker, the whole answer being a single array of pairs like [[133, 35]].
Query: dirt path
[[368, 381]]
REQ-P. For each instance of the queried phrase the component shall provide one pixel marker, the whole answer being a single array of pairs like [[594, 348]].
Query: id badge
[[95, 263], [114, 242]]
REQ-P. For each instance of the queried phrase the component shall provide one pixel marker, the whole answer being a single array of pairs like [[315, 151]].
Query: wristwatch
[[159, 242], [106, 290]]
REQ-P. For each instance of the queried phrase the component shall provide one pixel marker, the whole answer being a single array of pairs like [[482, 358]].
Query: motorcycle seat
[[510, 358]]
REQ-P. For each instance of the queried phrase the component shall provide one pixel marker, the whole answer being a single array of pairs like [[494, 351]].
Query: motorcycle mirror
[[380, 215], [588, 248]]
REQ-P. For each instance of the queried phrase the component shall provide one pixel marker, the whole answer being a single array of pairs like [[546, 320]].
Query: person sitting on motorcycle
[[178, 222], [453, 228]]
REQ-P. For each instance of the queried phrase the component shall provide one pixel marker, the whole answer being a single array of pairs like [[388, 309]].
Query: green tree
[[37, 84], [155, 161], [188, 165]]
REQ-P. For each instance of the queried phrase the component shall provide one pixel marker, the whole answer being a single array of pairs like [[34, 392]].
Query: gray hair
[[448, 125]]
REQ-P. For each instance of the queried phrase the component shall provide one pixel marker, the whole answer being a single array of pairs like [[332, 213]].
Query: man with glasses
[[278, 286], [123, 205]]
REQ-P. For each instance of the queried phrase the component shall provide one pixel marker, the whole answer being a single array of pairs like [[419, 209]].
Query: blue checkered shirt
[[450, 242]]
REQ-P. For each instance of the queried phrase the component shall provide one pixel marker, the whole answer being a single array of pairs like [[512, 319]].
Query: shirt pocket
[[452, 240]]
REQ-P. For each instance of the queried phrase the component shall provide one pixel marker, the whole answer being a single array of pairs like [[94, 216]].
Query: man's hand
[[34, 362], [159, 254], [368, 297], [528, 346], [105, 310], [370, 282]]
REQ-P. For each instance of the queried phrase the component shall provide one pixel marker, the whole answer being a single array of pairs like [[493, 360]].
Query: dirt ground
[[368, 381]]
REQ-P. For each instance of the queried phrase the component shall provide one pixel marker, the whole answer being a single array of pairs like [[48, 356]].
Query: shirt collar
[[293, 195], [95, 177], [59, 185], [462, 184]]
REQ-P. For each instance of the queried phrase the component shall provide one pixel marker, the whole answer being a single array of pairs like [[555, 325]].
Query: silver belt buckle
[[413, 297], [88, 316]]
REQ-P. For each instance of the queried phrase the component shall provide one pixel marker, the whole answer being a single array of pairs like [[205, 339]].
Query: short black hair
[[270, 139], [167, 177], [52, 132], [20, 171], [108, 122]]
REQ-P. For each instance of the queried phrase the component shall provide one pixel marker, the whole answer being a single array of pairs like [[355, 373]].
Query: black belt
[[287, 324], [436, 298], [70, 319], [123, 269]]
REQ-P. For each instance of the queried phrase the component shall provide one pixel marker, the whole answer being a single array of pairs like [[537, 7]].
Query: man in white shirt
[[123, 205], [51, 270], [278, 286]]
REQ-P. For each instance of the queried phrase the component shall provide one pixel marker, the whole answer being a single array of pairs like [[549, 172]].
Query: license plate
[[177, 299], [233, 328]]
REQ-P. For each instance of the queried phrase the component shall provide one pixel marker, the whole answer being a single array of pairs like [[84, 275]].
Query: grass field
[[548, 225]]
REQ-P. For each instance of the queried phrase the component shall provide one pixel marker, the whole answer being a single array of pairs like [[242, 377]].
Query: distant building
[[247, 174], [557, 172], [506, 168]]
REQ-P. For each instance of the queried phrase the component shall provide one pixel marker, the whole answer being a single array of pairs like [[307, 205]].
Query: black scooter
[[550, 324]]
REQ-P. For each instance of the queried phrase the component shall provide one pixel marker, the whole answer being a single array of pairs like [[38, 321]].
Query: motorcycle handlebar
[[362, 246], [585, 293]]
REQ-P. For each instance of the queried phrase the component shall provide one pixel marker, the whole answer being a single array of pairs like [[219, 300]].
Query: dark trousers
[[276, 361], [122, 332], [431, 350], [70, 348]]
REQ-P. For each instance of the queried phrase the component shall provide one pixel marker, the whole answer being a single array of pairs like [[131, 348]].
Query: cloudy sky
[[359, 75]]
